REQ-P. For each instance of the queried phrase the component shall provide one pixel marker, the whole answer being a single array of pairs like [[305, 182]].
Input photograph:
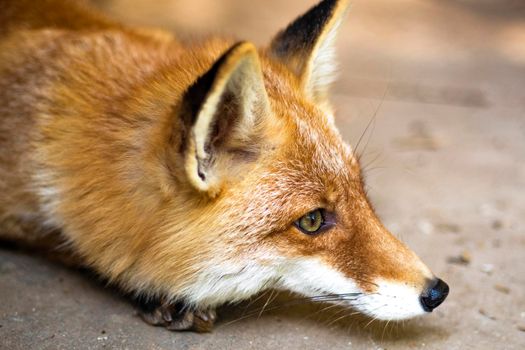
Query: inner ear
[[223, 113], [227, 117]]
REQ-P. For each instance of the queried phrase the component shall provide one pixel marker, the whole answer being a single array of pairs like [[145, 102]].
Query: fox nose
[[434, 295]]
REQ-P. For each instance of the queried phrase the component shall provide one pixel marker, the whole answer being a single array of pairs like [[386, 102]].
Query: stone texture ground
[[447, 173]]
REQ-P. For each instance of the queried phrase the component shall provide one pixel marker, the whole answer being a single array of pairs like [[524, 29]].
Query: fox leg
[[177, 316]]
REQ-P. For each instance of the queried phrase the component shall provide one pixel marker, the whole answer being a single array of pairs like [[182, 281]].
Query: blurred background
[[442, 84]]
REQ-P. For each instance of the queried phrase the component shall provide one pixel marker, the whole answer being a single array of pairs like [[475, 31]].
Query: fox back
[[198, 172]]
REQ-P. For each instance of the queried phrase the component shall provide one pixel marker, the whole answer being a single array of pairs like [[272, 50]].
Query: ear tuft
[[307, 46]]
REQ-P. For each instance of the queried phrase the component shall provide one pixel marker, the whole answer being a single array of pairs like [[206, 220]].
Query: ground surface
[[448, 175]]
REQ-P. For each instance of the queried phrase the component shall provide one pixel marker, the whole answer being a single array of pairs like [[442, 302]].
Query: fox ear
[[223, 113], [307, 46]]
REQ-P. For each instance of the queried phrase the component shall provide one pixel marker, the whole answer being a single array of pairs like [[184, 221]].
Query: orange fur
[[93, 143]]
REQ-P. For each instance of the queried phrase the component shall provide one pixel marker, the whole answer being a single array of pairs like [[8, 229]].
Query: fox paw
[[177, 317]]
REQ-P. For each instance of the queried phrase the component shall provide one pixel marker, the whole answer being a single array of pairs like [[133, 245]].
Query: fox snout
[[365, 265], [398, 284]]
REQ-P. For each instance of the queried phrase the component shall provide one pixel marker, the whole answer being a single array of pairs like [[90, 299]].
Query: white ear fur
[[307, 47], [236, 101], [323, 65]]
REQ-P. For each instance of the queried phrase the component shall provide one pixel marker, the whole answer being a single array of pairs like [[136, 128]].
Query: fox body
[[194, 173]]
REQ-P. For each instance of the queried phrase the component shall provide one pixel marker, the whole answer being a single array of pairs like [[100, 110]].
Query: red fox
[[192, 173]]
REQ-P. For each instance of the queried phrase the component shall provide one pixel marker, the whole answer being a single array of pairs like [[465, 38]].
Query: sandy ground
[[445, 162]]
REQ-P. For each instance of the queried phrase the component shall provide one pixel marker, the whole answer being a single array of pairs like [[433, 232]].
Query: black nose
[[434, 295]]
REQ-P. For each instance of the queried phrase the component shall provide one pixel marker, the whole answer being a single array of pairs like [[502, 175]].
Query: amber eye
[[312, 222]]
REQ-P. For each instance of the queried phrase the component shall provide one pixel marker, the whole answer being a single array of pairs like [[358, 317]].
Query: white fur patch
[[49, 197], [311, 277], [391, 301], [230, 282], [323, 64]]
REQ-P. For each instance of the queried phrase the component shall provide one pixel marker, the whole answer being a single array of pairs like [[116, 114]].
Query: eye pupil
[[311, 222]]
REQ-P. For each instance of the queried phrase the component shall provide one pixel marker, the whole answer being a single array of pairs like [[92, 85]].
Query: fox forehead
[[314, 152], [312, 168]]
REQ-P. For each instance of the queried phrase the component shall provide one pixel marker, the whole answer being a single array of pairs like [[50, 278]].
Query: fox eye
[[312, 222]]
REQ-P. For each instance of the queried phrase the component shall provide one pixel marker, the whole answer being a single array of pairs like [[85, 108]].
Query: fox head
[[262, 192]]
